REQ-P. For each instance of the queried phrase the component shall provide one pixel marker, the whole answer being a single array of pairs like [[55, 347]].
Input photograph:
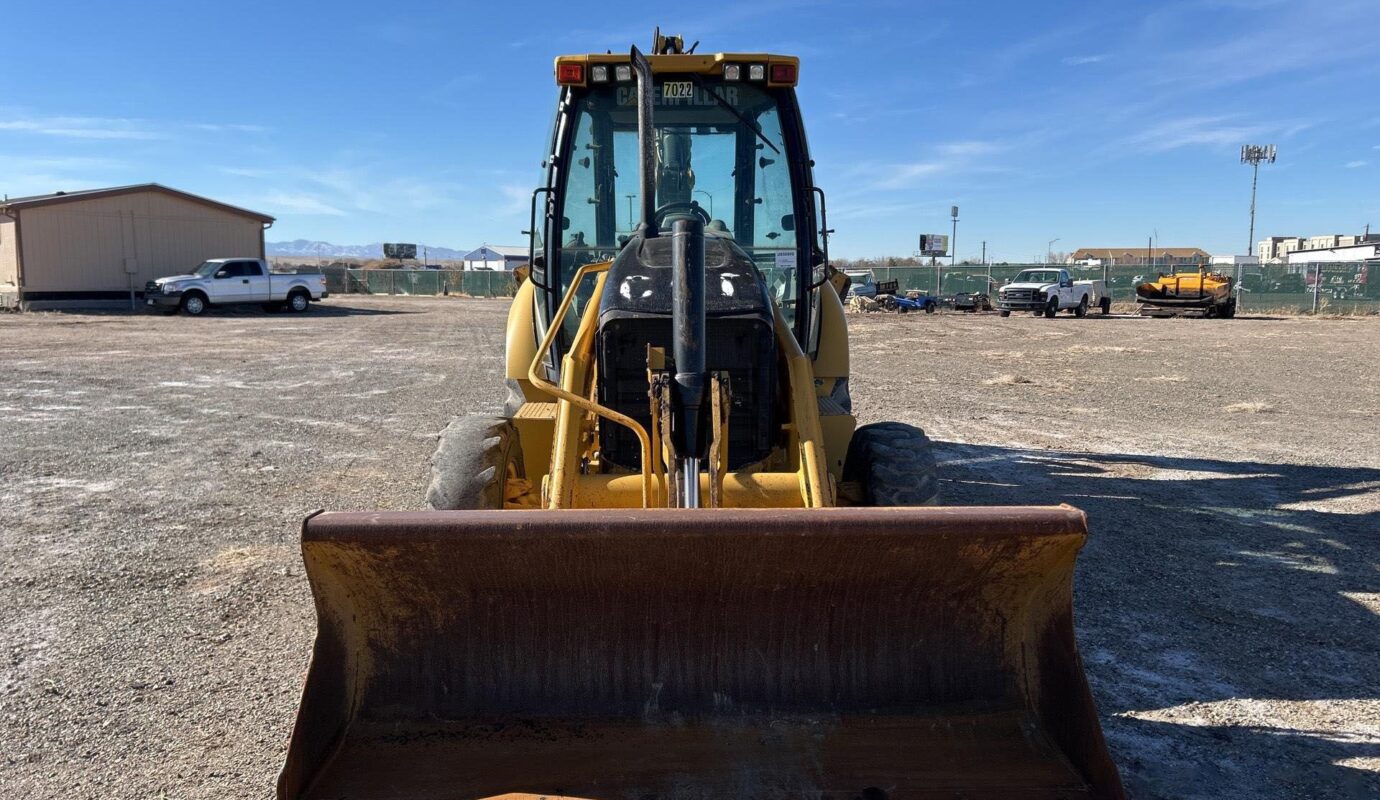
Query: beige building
[[99, 247], [1159, 256]]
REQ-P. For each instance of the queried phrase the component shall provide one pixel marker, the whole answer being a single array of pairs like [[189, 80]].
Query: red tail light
[[783, 73], [570, 73]]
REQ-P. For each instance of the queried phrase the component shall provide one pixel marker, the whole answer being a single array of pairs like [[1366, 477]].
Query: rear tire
[[1082, 310], [929, 308], [1005, 312], [298, 302], [1106, 306], [893, 464], [469, 469]]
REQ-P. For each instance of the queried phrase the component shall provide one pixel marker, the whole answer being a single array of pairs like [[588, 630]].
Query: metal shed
[[98, 247]]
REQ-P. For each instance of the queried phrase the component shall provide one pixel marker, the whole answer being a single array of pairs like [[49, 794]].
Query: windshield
[[1037, 276], [730, 165], [208, 268]]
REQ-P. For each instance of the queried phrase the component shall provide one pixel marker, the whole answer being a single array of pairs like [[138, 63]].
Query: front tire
[[1051, 308], [194, 305], [470, 467], [1005, 312], [893, 465]]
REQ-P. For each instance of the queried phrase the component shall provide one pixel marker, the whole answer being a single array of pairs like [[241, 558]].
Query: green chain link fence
[[1345, 288]]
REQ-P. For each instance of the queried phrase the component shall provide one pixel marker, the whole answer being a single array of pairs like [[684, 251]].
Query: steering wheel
[[682, 207]]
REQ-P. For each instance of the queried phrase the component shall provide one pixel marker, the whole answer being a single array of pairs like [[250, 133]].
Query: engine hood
[[171, 278], [1036, 286]]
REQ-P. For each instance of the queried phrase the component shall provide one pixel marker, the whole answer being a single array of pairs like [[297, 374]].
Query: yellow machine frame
[[557, 429]]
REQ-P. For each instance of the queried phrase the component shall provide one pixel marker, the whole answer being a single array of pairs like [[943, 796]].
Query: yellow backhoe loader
[[673, 568]]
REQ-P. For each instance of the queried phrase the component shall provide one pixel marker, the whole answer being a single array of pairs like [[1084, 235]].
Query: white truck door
[[260, 284], [224, 286]]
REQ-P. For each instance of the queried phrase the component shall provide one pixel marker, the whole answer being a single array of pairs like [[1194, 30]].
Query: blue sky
[[1097, 123]]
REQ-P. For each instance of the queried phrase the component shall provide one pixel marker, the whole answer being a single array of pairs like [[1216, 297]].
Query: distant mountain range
[[303, 247]]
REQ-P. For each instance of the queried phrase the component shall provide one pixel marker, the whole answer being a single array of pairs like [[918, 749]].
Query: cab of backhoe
[[730, 148]]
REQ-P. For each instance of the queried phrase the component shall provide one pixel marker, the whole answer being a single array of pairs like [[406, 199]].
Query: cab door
[[258, 282], [233, 282]]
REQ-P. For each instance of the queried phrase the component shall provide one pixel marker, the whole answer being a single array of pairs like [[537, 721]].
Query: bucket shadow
[[1207, 587]]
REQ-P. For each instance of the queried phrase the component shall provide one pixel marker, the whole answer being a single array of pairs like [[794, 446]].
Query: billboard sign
[[934, 244], [399, 250]]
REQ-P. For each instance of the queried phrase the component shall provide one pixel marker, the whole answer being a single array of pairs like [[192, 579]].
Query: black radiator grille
[[745, 347]]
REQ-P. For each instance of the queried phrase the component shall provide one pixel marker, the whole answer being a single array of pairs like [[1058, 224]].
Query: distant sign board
[[399, 250], [934, 244]]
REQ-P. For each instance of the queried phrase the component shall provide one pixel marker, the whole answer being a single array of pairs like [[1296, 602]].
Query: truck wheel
[[1051, 308], [1229, 310], [893, 465], [472, 462], [1082, 309], [1106, 306], [299, 301], [1005, 312], [194, 304], [929, 308]]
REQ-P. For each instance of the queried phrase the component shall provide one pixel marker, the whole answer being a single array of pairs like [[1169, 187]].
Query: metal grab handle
[[534, 375]]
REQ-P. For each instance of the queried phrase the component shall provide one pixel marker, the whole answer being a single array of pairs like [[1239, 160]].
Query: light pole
[[1253, 154], [1049, 249], [953, 240], [711, 201]]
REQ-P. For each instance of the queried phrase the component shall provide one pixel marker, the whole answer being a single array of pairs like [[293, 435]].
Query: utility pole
[[1049, 249], [988, 266], [1253, 154]]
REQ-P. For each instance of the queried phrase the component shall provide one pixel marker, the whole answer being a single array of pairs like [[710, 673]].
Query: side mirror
[[221, 274]]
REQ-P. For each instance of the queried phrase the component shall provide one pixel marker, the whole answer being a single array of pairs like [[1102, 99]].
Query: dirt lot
[[156, 621]]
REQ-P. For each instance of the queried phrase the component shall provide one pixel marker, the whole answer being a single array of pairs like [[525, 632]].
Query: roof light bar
[[622, 73], [733, 72], [599, 73], [757, 72]]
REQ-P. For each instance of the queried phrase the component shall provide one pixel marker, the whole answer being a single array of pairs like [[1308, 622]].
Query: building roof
[[498, 249], [1139, 252], [38, 200]]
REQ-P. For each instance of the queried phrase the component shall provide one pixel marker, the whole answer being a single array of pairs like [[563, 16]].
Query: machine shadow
[[1208, 584]]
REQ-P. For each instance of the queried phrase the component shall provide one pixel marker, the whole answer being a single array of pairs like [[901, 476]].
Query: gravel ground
[[155, 469]]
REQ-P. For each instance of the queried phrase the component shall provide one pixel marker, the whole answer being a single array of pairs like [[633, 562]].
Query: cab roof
[[696, 63]]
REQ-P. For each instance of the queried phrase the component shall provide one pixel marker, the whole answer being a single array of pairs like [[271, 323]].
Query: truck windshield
[[733, 166], [208, 268], [1037, 276]]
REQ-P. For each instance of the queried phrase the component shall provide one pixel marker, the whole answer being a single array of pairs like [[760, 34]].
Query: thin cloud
[[83, 128], [1078, 61], [1356, 164], [947, 158], [1208, 131], [245, 172], [224, 127], [290, 203]]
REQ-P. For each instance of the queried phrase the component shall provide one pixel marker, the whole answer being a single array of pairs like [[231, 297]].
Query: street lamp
[[711, 201], [1253, 154], [1049, 249], [953, 240]]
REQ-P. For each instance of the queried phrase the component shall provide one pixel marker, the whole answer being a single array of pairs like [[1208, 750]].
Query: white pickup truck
[[234, 281], [1049, 290]]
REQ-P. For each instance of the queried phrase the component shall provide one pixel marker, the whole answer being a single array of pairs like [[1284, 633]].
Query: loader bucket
[[672, 654]]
